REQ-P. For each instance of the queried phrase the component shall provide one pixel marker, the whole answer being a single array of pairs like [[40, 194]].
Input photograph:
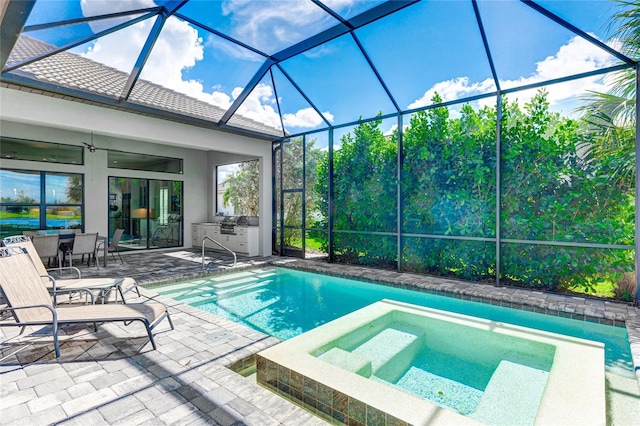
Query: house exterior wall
[[31, 116]]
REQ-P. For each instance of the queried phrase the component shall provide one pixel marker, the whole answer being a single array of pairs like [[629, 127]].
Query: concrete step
[[512, 395]]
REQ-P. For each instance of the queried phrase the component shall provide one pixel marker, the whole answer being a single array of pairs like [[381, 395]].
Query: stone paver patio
[[114, 377]]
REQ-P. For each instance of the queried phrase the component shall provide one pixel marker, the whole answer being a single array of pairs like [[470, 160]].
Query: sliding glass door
[[149, 211]]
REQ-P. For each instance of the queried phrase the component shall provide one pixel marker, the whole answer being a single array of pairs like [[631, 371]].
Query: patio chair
[[30, 303], [103, 286], [30, 234], [84, 244], [113, 245], [48, 246]]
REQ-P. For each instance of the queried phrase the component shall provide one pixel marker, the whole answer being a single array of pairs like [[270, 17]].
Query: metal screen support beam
[[281, 206], [274, 195], [330, 200], [275, 93], [400, 205], [498, 187], [142, 58], [170, 8], [637, 190], [14, 16], [304, 196], [76, 43], [485, 42], [588, 37], [247, 91], [303, 94]]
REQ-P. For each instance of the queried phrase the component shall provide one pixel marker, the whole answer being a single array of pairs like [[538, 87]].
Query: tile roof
[[73, 71]]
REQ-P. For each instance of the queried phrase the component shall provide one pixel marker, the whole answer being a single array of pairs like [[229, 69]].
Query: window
[[238, 189], [31, 200], [149, 163], [149, 211], [20, 149]]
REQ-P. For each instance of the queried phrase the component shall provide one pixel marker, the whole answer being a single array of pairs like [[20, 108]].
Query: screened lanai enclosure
[[486, 140]]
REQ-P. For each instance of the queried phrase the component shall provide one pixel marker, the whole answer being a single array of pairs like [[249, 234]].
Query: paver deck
[[114, 377]]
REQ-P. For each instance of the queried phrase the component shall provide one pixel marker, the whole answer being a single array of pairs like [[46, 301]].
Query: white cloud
[[227, 170], [577, 56], [259, 105], [305, 118], [453, 89], [272, 25]]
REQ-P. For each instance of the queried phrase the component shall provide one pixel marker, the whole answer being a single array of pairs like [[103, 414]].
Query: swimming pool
[[285, 303]]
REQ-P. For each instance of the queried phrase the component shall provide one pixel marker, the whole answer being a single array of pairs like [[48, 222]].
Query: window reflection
[[31, 200], [149, 211], [63, 189], [68, 217], [19, 187]]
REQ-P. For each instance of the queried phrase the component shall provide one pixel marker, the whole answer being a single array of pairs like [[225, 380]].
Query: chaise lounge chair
[[103, 286], [31, 305]]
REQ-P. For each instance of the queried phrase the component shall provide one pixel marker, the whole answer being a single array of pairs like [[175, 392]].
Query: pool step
[[209, 289], [440, 390], [397, 344], [348, 361], [208, 297], [194, 291], [178, 288], [512, 395]]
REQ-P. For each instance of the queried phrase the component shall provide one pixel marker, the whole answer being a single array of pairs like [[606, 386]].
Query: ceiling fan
[[91, 147]]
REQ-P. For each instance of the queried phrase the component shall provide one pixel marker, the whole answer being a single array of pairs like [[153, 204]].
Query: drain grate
[[221, 336]]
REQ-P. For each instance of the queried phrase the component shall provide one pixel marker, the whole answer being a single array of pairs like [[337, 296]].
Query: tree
[[448, 189], [74, 190], [20, 198], [243, 189], [549, 193], [364, 199], [611, 116]]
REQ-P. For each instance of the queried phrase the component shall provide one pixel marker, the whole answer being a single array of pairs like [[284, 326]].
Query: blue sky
[[427, 47]]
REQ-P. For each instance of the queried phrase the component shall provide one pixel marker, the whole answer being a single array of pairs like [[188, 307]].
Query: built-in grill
[[229, 223]]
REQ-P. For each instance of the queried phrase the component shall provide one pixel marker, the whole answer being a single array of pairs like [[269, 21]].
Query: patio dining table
[[66, 241]]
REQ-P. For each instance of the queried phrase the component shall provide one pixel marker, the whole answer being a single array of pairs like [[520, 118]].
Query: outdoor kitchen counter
[[243, 240]]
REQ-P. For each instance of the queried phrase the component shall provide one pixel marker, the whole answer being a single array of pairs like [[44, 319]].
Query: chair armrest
[[54, 315], [73, 268], [54, 291], [70, 292], [50, 278]]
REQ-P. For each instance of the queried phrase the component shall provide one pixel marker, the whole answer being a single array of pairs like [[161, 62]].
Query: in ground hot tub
[[399, 363]]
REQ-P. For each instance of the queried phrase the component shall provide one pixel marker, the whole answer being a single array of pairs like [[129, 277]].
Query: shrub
[[625, 288]]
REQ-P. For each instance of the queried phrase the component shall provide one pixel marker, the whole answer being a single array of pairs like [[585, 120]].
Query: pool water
[[285, 303]]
